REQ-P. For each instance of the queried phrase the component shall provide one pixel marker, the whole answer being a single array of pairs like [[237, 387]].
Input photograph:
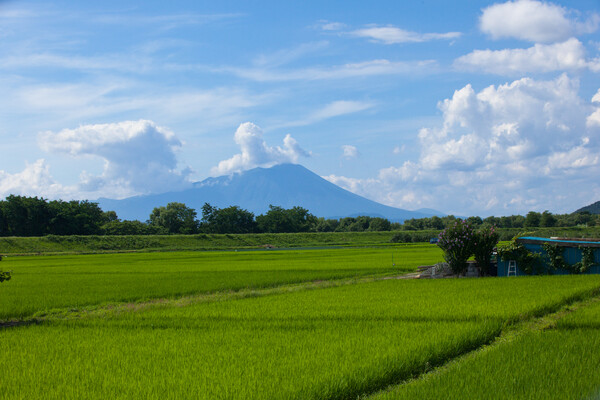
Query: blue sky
[[469, 107]]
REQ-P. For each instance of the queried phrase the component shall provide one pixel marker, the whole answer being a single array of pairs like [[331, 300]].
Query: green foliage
[[485, 240], [532, 220], [227, 220], [402, 237], [529, 262], [587, 260], [4, 275], [32, 216], [547, 220], [126, 227], [326, 225], [278, 219], [175, 218], [457, 242], [557, 261]]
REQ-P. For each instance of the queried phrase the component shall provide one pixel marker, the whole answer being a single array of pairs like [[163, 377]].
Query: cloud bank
[[139, 156], [564, 56], [34, 180], [533, 21], [256, 153], [510, 148]]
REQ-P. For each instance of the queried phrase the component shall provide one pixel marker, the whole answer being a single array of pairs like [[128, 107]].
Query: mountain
[[285, 185], [592, 208]]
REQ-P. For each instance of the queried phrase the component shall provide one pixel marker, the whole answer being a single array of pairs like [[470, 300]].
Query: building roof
[[563, 242]]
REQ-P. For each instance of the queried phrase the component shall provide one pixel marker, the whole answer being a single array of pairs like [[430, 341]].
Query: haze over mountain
[[285, 185]]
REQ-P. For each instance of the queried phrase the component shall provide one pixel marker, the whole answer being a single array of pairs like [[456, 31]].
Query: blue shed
[[571, 252]]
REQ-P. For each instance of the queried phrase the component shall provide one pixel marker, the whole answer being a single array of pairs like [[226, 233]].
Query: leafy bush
[[402, 237], [4, 276], [457, 243], [485, 239]]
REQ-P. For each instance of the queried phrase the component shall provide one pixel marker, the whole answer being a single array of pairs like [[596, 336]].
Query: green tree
[[436, 222], [457, 244], [484, 241], [547, 220], [227, 220], [75, 218], [25, 216], [326, 225], [475, 221], [380, 224], [175, 218], [281, 220], [109, 216], [532, 220]]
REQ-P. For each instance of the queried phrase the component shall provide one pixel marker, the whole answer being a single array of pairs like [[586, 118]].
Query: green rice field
[[44, 283], [558, 362], [390, 338]]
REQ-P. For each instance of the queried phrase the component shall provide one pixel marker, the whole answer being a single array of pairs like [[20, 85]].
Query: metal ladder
[[512, 268]]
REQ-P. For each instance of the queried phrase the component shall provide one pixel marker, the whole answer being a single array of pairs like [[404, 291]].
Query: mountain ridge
[[593, 208], [284, 185]]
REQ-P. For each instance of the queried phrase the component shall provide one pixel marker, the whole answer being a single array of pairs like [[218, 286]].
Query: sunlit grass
[[47, 282], [330, 343], [557, 363]]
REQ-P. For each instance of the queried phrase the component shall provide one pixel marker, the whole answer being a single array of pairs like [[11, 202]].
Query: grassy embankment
[[100, 244], [331, 343], [95, 244]]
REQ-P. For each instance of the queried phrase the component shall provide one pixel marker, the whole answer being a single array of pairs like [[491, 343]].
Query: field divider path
[[116, 308], [510, 333]]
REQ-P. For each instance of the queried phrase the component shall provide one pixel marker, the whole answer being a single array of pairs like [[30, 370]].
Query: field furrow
[[330, 343]]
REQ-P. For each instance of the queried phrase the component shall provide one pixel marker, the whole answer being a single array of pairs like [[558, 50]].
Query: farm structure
[[570, 249]]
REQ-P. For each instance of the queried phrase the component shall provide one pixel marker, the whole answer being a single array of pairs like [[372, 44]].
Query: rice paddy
[[45, 283], [336, 342], [560, 361]]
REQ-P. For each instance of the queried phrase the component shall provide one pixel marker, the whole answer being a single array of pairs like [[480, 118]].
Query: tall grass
[[332, 343]]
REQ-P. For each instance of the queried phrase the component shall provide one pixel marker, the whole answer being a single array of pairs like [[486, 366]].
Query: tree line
[[33, 216]]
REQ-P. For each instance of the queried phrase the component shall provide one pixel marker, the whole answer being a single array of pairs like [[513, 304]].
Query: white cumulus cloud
[[256, 153], [564, 56], [34, 180], [139, 156], [504, 149], [532, 20], [349, 151]]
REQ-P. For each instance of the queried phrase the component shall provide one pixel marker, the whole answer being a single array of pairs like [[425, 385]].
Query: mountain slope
[[285, 185], [592, 208]]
